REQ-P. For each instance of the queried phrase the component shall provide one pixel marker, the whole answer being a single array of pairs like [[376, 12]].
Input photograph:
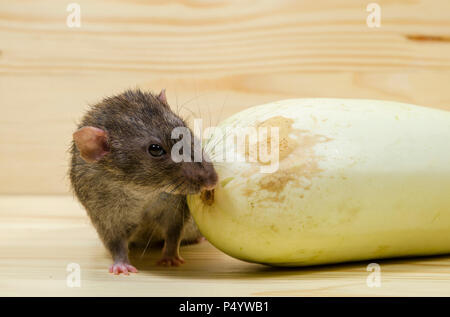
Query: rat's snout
[[200, 175], [209, 187], [211, 178]]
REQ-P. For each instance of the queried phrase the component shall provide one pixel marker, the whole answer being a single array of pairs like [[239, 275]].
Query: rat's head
[[136, 138]]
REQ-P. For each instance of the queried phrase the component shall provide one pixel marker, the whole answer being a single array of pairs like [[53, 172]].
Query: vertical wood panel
[[210, 55]]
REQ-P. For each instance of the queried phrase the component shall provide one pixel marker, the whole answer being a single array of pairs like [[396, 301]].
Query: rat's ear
[[162, 96], [92, 143]]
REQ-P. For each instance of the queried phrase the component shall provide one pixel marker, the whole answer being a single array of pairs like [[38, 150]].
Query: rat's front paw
[[122, 267], [175, 260]]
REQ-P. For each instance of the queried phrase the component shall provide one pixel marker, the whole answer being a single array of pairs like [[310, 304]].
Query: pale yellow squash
[[357, 180]]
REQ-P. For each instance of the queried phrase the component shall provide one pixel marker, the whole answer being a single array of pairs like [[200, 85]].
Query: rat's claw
[[171, 261], [120, 267]]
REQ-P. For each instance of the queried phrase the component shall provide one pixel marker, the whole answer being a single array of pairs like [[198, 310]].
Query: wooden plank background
[[210, 55]]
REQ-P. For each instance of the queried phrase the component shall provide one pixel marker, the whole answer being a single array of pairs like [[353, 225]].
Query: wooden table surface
[[41, 235]]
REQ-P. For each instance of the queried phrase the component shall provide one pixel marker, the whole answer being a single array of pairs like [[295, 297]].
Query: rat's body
[[123, 174]]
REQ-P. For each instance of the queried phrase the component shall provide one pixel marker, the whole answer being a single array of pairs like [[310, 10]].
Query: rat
[[123, 173]]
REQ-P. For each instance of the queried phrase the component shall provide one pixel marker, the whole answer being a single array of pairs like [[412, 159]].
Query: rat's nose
[[200, 175], [210, 180], [209, 186]]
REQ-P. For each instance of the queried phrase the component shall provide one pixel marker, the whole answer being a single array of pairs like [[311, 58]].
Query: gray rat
[[123, 173]]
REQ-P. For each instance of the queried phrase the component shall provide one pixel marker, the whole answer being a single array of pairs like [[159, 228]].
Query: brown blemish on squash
[[275, 198], [274, 228], [253, 193], [303, 165], [348, 211], [248, 191], [286, 143], [277, 181], [298, 163]]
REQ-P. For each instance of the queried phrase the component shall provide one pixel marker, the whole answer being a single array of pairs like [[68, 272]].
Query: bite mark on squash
[[207, 196]]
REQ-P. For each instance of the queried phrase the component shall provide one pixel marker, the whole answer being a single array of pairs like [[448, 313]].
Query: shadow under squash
[[203, 261]]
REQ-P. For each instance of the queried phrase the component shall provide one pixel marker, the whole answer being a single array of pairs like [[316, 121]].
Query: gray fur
[[129, 195]]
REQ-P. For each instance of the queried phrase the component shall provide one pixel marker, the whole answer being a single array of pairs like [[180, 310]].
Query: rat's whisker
[[217, 141], [191, 99], [148, 243], [179, 182], [221, 109]]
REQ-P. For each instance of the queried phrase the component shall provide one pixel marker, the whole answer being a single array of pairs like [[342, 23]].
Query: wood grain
[[214, 58], [41, 235]]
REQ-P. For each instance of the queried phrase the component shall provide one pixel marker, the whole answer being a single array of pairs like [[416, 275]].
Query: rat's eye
[[156, 150]]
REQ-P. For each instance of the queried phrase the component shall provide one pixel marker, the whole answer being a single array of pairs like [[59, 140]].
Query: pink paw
[[121, 267], [171, 261]]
